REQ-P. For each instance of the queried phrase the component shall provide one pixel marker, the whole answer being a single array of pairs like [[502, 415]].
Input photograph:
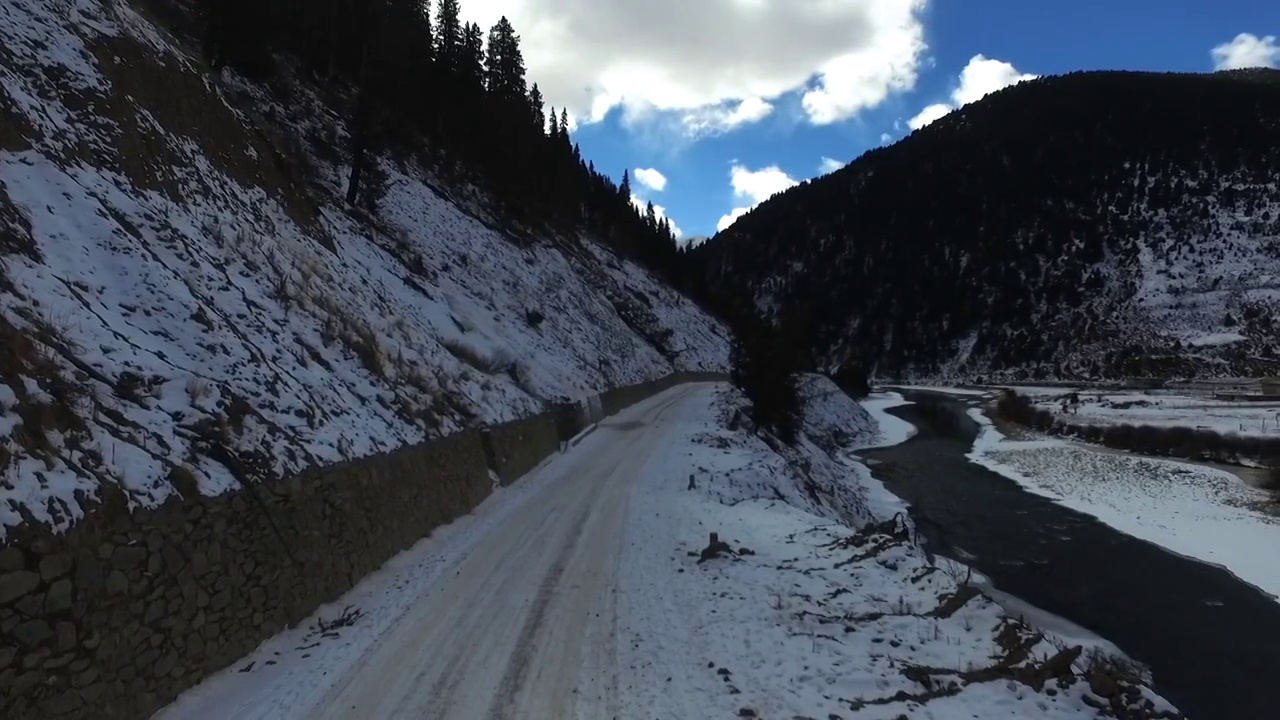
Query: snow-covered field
[[1196, 511], [1162, 409], [804, 618], [166, 288]]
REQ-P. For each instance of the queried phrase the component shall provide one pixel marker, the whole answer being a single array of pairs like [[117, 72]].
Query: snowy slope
[[178, 275]]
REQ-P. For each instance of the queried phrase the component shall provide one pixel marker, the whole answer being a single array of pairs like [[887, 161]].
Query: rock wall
[[116, 617], [518, 446]]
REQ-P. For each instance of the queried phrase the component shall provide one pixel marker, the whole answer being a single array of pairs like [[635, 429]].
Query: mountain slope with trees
[[242, 239], [1100, 224]]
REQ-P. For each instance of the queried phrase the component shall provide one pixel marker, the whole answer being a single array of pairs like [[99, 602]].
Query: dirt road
[[525, 628]]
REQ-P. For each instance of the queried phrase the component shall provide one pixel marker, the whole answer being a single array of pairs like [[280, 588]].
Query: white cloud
[[651, 179], [1245, 51], [885, 138], [721, 118], [928, 115], [829, 165], [661, 213], [981, 77], [754, 186], [714, 64]]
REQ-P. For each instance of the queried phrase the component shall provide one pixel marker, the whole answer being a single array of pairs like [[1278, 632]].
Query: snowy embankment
[[1192, 510], [629, 617], [181, 280], [1160, 409]]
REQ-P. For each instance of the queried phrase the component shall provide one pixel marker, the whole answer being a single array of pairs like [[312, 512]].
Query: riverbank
[[1206, 635]]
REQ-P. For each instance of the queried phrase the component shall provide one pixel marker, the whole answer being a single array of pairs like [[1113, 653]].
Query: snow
[[623, 620], [194, 294], [892, 430], [976, 392], [1196, 511], [1163, 409], [1216, 339]]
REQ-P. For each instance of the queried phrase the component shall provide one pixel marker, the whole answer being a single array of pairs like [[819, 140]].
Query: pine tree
[[471, 62], [449, 35], [428, 46], [504, 63], [625, 188], [564, 124], [555, 126], [536, 110]]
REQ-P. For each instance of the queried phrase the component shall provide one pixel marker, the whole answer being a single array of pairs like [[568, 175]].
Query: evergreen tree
[[471, 61], [625, 188], [763, 368], [536, 110], [449, 36], [504, 63]]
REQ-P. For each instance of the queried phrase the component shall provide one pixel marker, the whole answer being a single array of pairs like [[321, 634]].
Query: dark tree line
[[424, 81], [1014, 228]]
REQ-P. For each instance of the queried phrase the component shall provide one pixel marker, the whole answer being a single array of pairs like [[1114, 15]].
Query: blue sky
[[647, 66]]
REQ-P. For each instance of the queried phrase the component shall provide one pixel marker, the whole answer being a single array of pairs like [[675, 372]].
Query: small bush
[[534, 318]]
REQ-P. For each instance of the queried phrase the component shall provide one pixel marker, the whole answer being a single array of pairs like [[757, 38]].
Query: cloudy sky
[[714, 105]]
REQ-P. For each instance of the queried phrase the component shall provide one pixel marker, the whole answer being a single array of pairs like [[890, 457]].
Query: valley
[[354, 365]]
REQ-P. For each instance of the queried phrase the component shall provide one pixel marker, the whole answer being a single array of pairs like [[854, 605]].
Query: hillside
[[182, 283], [1101, 224]]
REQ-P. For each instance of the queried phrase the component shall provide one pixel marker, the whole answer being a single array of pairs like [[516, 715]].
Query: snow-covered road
[[524, 628], [578, 592]]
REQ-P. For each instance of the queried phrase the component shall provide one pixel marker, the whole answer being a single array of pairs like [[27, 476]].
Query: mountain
[[183, 279], [1098, 224]]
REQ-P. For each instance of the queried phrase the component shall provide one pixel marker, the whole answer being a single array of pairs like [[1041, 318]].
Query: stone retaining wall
[[116, 617], [518, 446]]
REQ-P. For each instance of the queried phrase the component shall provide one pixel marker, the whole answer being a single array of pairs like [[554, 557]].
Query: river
[[1211, 640]]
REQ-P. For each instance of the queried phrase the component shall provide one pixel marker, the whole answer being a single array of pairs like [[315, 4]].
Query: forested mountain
[[1097, 224], [241, 239], [424, 80]]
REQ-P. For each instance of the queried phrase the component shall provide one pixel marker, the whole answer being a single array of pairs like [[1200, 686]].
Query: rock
[[59, 597], [154, 612], [173, 560], [129, 557], [32, 605], [93, 692], [1103, 685], [67, 702], [1060, 664], [66, 634], [26, 681], [55, 566], [35, 658], [117, 583], [89, 576], [33, 632], [106, 550], [58, 662], [85, 678], [14, 585], [12, 560], [7, 653], [165, 665]]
